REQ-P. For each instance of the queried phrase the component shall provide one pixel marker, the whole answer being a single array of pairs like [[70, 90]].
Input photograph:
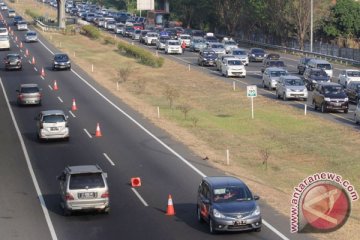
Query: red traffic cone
[[183, 45], [98, 131], [136, 182], [42, 72], [170, 208], [16, 39], [21, 45], [55, 86], [33, 60], [74, 108], [27, 52]]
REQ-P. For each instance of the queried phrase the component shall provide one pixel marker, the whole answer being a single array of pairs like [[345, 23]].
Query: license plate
[[211, 63], [87, 195], [54, 129], [30, 101], [239, 223], [337, 104]]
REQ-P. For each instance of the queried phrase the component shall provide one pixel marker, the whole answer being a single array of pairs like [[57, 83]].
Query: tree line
[[279, 20]]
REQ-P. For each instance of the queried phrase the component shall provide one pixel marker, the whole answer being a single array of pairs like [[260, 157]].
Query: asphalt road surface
[[130, 147]]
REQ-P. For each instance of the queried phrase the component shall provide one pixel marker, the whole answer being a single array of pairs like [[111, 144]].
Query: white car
[[349, 75], [22, 25], [218, 48], [31, 36], [4, 7], [150, 38], [173, 46], [11, 13], [4, 32], [357, 113], [185, 38], [220, 60], [229, 44], [52, 124], [4, 42], [240, 54], [271, 77], [233, 67], [119, 28]]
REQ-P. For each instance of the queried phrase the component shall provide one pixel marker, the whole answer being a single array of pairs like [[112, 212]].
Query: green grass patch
[[91, 31]]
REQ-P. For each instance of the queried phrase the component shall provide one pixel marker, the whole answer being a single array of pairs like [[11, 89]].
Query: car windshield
[[198, 40], [152, 35], [276, 64], [61, 57], [217, 46], [353, 73], [234, 62], [230, 43], [31, 34], [211, 39], [258, 51], [231, 194], [294, 82], [278, 73], [29, 90], [174, 43], [185, 37], [137, 31], [86, 181], [163, 40], [333, 89], [324, 66], [12, 57], [209, 54], [319, 74], [357, 86], [3, 30], [53, 118], [239, 52]]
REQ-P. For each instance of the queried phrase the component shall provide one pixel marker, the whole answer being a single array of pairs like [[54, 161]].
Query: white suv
[[173, 46], [349, 75], [233, 67], [52, 124]]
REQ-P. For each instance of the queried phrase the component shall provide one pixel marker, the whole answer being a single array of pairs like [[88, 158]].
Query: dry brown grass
[[298, 145]]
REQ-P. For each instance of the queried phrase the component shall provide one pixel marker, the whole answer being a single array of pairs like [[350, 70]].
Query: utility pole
[[311, 25]]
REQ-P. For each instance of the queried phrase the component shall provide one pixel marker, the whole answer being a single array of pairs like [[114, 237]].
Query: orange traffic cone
[[170, 208], [74, 108], [42, 72], [27, 52], [55, 86], [16, 39], [33, 60], [98, 132], [136, 182], [183, 45], [21, 45]]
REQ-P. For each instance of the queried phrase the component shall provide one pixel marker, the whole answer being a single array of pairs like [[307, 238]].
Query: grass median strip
[[272, 152]]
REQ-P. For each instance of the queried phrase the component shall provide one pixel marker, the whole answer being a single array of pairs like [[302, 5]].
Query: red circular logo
[[326, 206]]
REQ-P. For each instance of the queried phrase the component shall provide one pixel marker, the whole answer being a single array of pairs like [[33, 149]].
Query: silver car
[[52, 124], [271, 77], [291, 87], [29, 93], [84, 187], [135, 35], [31, 36]]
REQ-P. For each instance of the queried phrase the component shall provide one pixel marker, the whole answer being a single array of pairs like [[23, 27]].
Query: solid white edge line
[[86, 131], [31, 170], [42, 78], [282, 236], [139, 196], [72, 114], [35, 69], [107, 157], [50, 87], [152, 135], [60, 99]]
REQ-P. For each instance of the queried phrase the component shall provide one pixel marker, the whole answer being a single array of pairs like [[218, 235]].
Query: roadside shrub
[[109, 40], [145, 57], [32, 14], [91, 31]]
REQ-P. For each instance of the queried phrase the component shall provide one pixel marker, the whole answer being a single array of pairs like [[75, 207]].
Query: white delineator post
[[92, 67], [234, 86], [158, 111], [305, 109], [227, 157], [252, 107]]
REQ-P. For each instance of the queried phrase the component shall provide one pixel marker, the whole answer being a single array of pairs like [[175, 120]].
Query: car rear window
[[29, 90], [3, 30], [86, 180], [353, 73], [54, 118]]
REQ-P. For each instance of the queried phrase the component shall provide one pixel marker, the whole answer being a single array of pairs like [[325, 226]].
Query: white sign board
[[251, 91], [145, 5]]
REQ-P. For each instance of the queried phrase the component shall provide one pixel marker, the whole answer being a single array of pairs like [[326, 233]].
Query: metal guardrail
[[47, 28], [341, 60]]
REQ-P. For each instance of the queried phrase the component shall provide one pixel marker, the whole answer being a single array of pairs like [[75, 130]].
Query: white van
[[4, 42], [321, 64]]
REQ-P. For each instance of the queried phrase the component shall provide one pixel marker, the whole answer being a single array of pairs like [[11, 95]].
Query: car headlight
[[327, 99], [346, 99], [218, 214], [256, 212], [56, 63], [314, 81], [205, 59], [68, 62], [253, 55]]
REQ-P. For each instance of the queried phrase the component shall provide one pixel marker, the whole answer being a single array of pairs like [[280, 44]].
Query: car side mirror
[[66, 117], [206, 201], [61, 177], [105, 175], [256, 197]]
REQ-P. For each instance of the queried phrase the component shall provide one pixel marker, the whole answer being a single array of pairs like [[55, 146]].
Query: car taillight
[[68, 196], [20, 96], [105, 195]]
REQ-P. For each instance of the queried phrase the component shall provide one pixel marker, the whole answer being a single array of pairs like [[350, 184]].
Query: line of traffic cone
[[42, 72], [21, 45], [33, 60], [170, 207], [98, 131], [27, 52], [74, 107], [55, 87]]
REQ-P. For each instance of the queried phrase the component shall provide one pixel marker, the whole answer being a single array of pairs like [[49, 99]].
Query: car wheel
[[323, 109], [106, 210], [258, 229], [284, 97], [277, 95], [66, 212], [227, 74], [355, 118], [263, 84], [198, 214], [211, 226], [314, 105], [346, 110]]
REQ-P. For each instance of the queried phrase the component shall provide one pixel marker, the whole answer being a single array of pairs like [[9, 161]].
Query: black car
[[227, 204], [313, 76], [207, 57], [303, 64], [61, 61], [330, 96], [13, 61], [17, 19], [272, 63], [256, 55], [352, 90]]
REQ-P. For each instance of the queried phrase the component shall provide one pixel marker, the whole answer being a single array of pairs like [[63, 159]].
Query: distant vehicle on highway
[[185, 38], [52, 124], [84, 188], [173, 46], [241, 54], [349, 75], [271, 77], [11, 13], [227, 204], [3, 6], [330, 96], [150, 38], [4, 43], [313, 76], [352, 90], [233, 67], [4, 32], [31, 36], [61, 61], [13, 61], [220, 60], [21, 26], [273, 63], [291, 87], [136, 34], [303, 64], [229, 44], [321, 64], [161, 41], [197, 43], [256, 55], [218, 48], [207, 57], [17, 19], [29, 93]]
